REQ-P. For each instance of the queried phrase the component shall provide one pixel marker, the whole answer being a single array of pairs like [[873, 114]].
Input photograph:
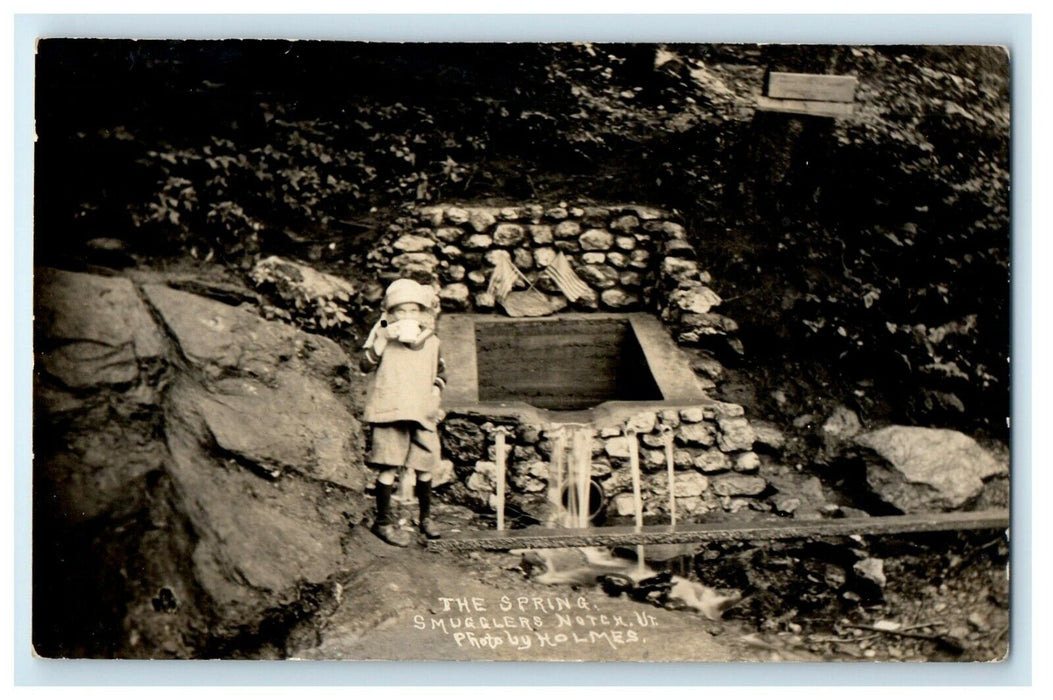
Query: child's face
[[409, 310]]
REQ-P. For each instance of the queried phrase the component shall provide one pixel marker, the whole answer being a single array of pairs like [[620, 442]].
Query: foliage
[[312, 299], [878, 244]]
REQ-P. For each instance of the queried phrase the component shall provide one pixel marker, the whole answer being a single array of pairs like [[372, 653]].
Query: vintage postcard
[[520, 351]]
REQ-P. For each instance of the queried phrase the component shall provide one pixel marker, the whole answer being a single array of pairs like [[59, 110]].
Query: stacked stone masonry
[[715, 467], [631, 257]]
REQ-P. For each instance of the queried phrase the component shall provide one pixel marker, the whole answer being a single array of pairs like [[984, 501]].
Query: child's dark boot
[[384, 526], [427, 525]]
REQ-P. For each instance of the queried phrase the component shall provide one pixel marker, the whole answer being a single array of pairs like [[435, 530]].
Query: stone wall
[[715, 467], [632, 258]]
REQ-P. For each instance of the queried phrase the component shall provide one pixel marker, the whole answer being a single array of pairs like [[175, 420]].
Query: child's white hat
[[407, 291]]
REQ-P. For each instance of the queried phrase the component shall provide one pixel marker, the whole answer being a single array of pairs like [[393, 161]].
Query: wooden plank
[[547, 538], [815, 109], [812, 86]]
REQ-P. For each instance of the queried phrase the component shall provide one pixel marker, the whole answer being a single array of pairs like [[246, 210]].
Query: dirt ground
[[412, 604], [945, 601]]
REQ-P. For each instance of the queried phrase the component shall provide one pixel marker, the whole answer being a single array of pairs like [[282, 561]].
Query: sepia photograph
[[521, 351]]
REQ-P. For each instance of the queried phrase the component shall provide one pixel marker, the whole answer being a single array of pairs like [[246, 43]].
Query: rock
[[682, 459], [556, 213], [618, 299], [708, 366], [508, 214], [712, 461], [449, 234], [432, 216], [696, 300], [477, 279], [643, 422], [92, 330], [640, 259], [454, 297], [625, 224], [508, 234], [747, 463], [870, 578], [689, 484], [618, 260], [256, 543], [484, 477], [630, 280], [567, 229], [708, 324], [669, 417], [677, 248], [680, 270], [724, 409], [652, 460], [540, 234], [977, 621], [454, 273], [410, 243], [599, 276], [457, 215], [528, 434], [478, 241], [480, 220], [738, 485], [544, 256], [596, 239], [422, 261], [834, 576], [623, 504], [626, 243], [594, 258], [444, 474], [568, 246], [495, 256], [617, 447], [668, 229], [462, 440], [785, 505], [923, 469], [523, 258], [703, 434], [768, 437], [653, 440], [694, 414], [224, 340], [842, 425], [297, 425], [735, 434]]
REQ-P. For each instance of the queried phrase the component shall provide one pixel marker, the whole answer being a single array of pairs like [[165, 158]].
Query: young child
[[402, 405]]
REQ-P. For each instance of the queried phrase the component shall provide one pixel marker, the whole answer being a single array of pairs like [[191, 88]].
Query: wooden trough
[[781, 529]]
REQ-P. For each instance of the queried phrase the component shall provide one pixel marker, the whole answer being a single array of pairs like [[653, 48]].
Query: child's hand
[[437, 413], [377, 340]]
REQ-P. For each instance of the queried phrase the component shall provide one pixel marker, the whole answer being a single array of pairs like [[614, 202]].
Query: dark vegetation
[[866, 259]]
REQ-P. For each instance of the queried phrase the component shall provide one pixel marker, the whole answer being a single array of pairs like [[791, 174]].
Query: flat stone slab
[[548, 538]]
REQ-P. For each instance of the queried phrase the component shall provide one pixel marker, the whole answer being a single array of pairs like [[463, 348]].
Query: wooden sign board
[[807, 86], [809, 107]]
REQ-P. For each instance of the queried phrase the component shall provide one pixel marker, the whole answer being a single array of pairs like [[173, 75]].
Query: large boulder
[[257, 542], [91, 330], [226, 478], [922, 469], [297, 425], [221, 339]]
